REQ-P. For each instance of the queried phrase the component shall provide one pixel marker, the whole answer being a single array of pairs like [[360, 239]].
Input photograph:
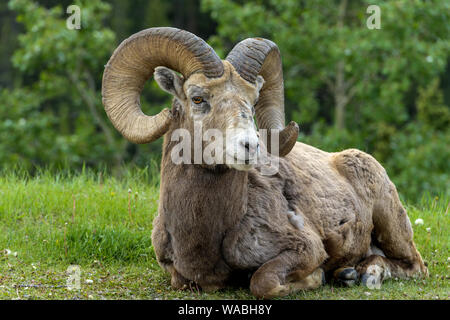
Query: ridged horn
[[256, 56], [133, 63]]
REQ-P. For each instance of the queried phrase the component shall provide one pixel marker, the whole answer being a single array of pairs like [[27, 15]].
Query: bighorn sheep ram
[[321, 215]]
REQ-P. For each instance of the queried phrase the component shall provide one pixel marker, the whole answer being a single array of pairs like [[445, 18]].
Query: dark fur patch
[[165, 79]]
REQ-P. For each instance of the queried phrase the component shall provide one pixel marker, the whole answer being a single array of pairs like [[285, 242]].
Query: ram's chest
[[196, 220], [257, 238], [251, 247]]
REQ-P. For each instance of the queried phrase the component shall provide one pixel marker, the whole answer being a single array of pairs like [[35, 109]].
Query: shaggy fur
[[322, 212], [212, 222], [334, 214]]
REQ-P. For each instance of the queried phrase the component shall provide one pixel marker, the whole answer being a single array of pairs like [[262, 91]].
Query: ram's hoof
[[364, 279], [324, 280], [346, 276]]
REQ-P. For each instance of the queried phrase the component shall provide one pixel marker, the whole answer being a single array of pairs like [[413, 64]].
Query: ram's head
[[221, 94]]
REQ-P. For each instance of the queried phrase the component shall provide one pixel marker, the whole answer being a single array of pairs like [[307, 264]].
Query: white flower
[[8, 252], [418, 222], [429, 59], [428, 229], [89, 281]]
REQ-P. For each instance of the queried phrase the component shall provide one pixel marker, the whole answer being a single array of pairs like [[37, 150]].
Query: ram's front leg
[[290, 271], [164, 253]]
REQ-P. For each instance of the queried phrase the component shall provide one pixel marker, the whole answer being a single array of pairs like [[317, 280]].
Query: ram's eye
[[197, 100]]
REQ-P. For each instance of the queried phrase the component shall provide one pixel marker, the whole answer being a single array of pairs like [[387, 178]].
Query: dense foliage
[[385, 91]]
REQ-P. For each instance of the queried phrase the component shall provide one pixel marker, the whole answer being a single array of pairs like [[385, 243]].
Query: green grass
[[104, 224]]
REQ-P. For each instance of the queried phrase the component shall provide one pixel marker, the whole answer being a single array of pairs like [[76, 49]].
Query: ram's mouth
[[240, 164], [236, 160]]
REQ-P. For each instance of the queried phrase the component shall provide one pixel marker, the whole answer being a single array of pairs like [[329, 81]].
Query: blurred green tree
[[56, 116], [420, 153]]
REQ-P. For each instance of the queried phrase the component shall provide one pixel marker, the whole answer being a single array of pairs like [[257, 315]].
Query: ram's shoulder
[[361, 169], [357, 161]]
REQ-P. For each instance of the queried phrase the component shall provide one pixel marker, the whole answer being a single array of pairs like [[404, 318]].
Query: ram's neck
[[197, 207], [199, 197]]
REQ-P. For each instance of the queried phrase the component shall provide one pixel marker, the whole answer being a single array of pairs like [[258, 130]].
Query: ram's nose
[[250, 145]]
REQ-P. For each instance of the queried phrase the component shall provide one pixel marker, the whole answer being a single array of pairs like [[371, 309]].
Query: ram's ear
[[259, 82], [170, 82]]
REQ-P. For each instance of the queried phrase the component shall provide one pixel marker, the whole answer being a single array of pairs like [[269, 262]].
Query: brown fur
[[214, 220]]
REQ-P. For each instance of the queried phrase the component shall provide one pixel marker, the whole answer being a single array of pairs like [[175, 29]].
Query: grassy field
[[103, 225]]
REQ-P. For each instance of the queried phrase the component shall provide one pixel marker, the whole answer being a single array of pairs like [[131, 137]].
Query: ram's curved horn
[[133, 63], [256, 56]]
